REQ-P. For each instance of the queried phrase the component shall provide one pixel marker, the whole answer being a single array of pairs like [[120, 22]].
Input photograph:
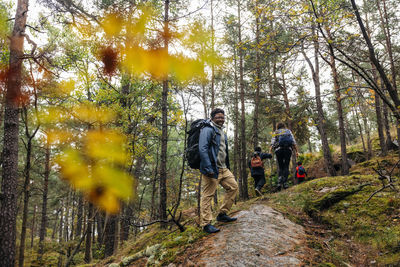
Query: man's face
[[219, 119]]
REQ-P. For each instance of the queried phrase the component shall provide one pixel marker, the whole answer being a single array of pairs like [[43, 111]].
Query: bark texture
[[8, 209]]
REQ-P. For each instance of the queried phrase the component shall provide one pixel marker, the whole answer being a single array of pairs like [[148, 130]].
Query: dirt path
[[260, 237]]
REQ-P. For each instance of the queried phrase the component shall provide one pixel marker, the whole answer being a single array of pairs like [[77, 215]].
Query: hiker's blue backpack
[[286, 140], [301, 170], [192, 153]]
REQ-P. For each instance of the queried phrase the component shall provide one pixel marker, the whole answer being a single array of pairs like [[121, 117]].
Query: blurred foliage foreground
[[95, 154]]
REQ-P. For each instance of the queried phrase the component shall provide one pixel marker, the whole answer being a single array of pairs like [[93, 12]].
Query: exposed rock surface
[[260, 237]]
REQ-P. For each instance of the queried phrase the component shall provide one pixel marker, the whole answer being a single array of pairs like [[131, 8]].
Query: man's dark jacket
[[209, 141], [259, 170]]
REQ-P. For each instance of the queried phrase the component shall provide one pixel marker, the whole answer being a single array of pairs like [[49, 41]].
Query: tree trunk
[[26, 190], [328, 161], [53, 235], [60, 228], [8, 207], [79, 218], [66, 225], [245, 193], [379, 121], [257, 78], [387, 125], [309, 145], [390, 88], [164, 136], [100, 227], [236, 150], [88, 246], [71, 234], [388, 39], [185, 112], [367, 131], [288, 116], [154, 187], [126, 214], [271, 89], [378, 108], [204, 99], [336, 86], [110, 234], [212, 64], [33, 228], [361, 131], [199, 197]]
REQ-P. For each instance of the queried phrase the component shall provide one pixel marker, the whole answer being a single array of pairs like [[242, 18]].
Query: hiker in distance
[[283, 143], [256, 166], [300, 172], [214, 166]]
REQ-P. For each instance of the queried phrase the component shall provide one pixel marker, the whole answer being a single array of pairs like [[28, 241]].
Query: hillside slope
[[322, 222]]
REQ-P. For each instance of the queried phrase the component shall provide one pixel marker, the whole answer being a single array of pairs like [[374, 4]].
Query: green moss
[[372, 225], [169, 256], [314, 244], [389, 260], [326, 264]]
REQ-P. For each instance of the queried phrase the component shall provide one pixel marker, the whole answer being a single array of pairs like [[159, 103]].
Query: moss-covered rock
[[312, 208], [128, 260], [151, 251]]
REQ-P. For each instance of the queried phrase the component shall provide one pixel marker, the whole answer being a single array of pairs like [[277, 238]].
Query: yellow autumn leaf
[[139, 26], [106, 145], [112, 24], [58, 136], [134, 60], [105, 199], [115, 180], [91, 114], [159, 63], [139, 61], [66, 87], [52, 115], [74, 170], [185, 69]]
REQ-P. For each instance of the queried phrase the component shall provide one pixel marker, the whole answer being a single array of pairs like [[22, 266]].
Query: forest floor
[[260, 237], [324, 222]]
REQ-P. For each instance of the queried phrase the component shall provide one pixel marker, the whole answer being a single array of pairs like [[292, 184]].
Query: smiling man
[[214, 166]]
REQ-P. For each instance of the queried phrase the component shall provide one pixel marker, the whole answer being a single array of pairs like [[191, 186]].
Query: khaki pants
[[209, 185]]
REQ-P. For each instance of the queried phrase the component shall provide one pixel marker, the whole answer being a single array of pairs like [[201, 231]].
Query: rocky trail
[[260, 237]]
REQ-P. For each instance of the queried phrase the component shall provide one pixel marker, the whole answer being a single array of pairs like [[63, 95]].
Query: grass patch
[[339, 205]]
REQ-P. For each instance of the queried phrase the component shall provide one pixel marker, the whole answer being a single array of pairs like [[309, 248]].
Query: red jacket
[[300, 175]]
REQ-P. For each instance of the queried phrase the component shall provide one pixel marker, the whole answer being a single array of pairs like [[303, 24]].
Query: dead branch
[[150, 223], [384, 178], [34, 45], [180, 226]]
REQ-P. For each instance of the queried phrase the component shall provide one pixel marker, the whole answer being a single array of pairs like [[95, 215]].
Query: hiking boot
[[222, 217], [278, 188], [258, 192], [210, 229], [285, 186]]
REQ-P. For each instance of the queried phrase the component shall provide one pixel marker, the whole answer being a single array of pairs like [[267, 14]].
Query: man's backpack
[[301, 171], [192, 153], [285, 140], [256, 162]]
